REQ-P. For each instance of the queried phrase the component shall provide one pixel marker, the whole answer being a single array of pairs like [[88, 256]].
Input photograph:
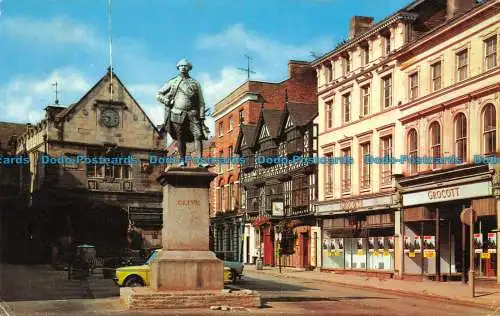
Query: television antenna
[[248, 69]]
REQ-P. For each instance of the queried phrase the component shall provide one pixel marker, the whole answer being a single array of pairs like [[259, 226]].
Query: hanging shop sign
[[478, 243], [459, 192], [492, 243], [277, 208], [429, 246]]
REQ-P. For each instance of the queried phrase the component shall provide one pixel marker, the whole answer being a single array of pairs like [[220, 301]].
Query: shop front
[[358, 236], [436, 241], [293, 243]]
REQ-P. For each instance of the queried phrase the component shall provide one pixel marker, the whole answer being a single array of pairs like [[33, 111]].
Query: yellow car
[[139, 275]]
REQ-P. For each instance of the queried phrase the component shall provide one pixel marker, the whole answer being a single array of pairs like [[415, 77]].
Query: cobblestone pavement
[[39, 290]]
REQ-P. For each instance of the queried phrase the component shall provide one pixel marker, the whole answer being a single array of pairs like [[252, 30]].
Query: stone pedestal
[[186, 274], [185, 262]]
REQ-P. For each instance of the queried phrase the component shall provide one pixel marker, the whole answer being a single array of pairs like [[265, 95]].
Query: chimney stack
[[457, 7], [300, 69], [359, 24]]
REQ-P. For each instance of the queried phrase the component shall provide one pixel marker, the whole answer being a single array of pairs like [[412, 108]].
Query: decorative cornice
[[458, 100], [384, 68], [364, 134], [403, 16], [364, 77], [244, 97], [391, 125], [346, 87]]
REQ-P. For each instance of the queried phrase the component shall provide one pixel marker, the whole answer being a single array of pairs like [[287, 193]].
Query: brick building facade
[[242, 106]]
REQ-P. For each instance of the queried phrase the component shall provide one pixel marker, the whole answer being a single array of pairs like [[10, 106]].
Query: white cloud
[[24, 98], [237, 38], [145, 95], [58, 30], [215, 89], [143, 89], [229, 78]]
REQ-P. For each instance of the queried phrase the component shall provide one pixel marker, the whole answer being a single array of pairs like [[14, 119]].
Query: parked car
[[236, 269], [130, 276]]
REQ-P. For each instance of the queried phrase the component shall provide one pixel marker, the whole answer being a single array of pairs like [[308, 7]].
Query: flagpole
[[110, 52]]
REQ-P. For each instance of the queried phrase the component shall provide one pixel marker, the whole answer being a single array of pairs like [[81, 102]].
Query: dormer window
[[264, 132], [288, 122]]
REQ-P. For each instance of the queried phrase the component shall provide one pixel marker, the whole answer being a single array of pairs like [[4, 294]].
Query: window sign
[[390, 244], [429, 246], [371, 244], [492, 243], [407, 244], [417, 245], [478, 243], [359, 246], [381, 244]]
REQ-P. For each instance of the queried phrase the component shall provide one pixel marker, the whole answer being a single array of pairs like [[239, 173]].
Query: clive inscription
[[187, 203]]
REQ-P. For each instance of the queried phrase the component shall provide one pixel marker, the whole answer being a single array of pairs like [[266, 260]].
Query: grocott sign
[[437, 195]]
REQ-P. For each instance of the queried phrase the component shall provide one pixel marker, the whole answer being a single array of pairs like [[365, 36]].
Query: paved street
[[39, 290]]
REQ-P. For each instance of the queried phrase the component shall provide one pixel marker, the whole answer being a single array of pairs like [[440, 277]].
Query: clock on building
[[110, 118]]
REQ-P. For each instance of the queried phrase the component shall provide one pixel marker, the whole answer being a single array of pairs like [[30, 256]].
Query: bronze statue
[[184, 111]]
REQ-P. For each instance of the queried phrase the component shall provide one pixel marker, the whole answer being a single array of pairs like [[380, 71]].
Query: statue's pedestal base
[[187, 271], [140, 298], [185, 274]]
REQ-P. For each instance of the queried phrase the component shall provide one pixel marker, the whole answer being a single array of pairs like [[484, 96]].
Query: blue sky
[[43, 41]]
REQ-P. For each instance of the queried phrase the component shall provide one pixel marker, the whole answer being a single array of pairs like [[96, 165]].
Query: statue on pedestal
[[184, 111]]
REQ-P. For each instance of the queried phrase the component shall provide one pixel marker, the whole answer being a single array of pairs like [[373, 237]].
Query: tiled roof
[[302, 113], [272, 120], [249, 132]]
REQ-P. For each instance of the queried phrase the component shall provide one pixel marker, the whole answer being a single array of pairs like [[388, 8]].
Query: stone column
[[185, 262]]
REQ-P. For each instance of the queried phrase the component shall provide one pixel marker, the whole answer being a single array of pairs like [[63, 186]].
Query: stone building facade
[[422, 82], [112, 189], [14, 234], [450, 112]]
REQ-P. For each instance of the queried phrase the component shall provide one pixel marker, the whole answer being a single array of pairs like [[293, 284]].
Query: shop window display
[[372, 253]]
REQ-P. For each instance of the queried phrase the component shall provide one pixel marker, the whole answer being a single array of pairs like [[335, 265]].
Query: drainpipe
[[400, 220]]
